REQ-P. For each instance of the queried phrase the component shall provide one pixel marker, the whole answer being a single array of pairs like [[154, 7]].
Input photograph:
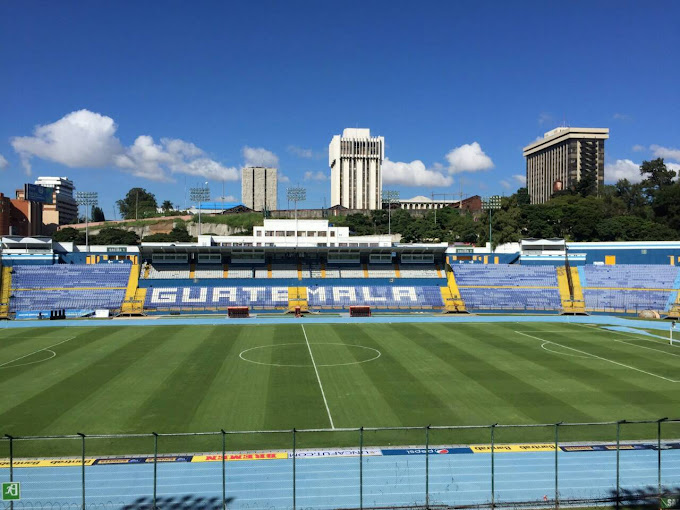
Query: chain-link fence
[[546, 465]]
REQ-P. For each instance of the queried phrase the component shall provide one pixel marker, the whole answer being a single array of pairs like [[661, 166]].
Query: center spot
[[297, 355]]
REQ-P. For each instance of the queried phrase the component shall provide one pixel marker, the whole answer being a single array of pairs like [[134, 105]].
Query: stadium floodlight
[[490, 204], [389, 196], [89, 199], [200, 194], [296, 194]]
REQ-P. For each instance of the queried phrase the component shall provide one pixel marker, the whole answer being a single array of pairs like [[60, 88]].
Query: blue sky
[[155, 94]]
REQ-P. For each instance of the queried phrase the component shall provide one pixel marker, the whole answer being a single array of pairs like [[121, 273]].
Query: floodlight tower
[[490, 204], [389, 196], [200, 194], [296, 194], [89, 199]]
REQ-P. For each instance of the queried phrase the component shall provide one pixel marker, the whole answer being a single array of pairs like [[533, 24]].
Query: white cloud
[[413, 174], [315, 176], [85, 139], [520, 178], [300, 152], [665, 152], [674, 166], [545, 118], [622, 169], [282, 178], [79, 139], [639, 148], [228, 198], [468, 158], [505, 184], [3, 162], [258, 156]]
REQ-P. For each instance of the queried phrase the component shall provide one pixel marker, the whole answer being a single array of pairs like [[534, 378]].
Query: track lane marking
[[598, 357], [316, 370]]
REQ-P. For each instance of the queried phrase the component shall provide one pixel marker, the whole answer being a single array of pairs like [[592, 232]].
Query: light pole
[[199, 195], [89, 199], [490, 204], [296, 194], [389, 196]]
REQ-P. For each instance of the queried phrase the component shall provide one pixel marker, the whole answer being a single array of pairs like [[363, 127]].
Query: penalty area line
[[36, 352], [599, 357], [316, 370]]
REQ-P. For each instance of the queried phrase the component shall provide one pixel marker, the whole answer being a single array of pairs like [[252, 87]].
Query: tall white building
[[356, 159], [259, 188]]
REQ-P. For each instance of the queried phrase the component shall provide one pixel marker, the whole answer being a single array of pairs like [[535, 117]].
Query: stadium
[[323, 370]]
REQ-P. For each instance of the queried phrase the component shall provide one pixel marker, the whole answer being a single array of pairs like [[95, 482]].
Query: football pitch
[[307, 375]]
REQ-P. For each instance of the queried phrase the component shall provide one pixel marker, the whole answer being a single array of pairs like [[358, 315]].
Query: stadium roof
[[148, 248]]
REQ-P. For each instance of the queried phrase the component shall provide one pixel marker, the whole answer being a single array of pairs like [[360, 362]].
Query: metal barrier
[[540, 465]]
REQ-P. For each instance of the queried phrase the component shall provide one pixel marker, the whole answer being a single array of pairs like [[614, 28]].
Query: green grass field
[[107, 380]]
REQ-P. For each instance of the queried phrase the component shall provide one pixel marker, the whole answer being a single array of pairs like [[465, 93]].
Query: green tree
[[656, 176], [69, 235], [138, 203], [166, 206], [177, 234], [112, 235], [97, 214]]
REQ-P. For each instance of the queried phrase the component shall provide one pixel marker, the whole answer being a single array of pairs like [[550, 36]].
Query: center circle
[[291, 354]]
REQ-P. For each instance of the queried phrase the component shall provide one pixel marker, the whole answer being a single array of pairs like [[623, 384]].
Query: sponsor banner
[[612, 447], [141, 460], [512, 448], [21, 463], [240, 456], [430, 451], [337, 453]]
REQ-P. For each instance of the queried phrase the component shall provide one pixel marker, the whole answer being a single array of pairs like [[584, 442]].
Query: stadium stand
[[71, 287], [377, 296], [208, 271], [168, 271], [381, 271]]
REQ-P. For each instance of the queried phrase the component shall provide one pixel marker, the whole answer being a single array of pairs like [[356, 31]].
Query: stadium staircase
[[297, 297], [192, 271], [225, 271], [5, 287], [453, 302], [396, 271], [571, 292], [133, 303]]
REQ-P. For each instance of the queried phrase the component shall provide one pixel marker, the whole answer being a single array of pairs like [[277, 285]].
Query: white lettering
[[228, 293], [279, 294], [404, 292], [319, 292], [202, 295], [164, 295], [344, 292], [252, 291], [366, 291]]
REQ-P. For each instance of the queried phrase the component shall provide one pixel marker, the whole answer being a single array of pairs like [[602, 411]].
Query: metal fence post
[[82, 461], [557, 479], [155, 467], [224, 470], [427, 467], [658, 450], [294, 469], [618, 462], [11, 464], [361, 468], [493, 467]]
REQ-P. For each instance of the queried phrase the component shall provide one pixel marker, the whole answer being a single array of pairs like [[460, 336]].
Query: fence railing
[[542, 465]]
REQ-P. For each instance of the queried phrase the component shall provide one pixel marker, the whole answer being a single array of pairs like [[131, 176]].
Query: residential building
[[63, 209], [356, 160], [563, 157], [19, 216], [259, 188]]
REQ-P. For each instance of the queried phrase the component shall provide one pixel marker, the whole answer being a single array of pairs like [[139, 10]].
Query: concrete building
[[19, 216], [259, 188], [63, 209], [422, 203], [356, 160], [562, 158]]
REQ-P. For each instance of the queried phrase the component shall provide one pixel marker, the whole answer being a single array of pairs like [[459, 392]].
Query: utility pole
[[389, 196], [296, 194], [490, 204], [200, 194], [89, 199]]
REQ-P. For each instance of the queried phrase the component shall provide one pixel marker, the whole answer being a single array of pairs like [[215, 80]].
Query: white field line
[[598, 357], [316, 370], [36, 352], [640, 337]]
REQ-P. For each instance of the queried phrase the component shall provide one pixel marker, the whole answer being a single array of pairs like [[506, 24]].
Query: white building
[[298, 233], [356, 159], [258, 188]]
